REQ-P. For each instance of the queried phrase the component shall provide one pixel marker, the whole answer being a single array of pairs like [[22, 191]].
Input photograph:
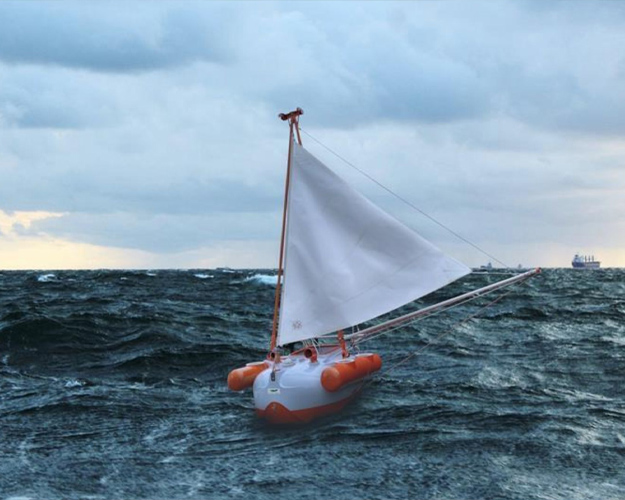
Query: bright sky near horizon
[[145, 134]]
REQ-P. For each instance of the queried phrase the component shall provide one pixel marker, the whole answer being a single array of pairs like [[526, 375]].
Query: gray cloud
[[153, 125], [557, 67], [59, 99], [390, 61], [108, 36], [160, 233], [169, 194]]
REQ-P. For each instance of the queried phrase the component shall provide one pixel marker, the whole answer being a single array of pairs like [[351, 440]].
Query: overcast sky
[[145, 134]]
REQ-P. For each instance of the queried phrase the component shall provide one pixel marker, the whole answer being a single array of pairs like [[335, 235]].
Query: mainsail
[[346, 260]]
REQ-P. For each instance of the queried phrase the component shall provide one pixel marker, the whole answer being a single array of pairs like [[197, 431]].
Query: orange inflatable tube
[[242, 378], [342, 373]]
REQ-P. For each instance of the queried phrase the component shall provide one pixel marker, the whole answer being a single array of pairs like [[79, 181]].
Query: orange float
[[343, 372], [242, 378]]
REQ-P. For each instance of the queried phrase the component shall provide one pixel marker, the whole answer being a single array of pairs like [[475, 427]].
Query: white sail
[[346, 260]]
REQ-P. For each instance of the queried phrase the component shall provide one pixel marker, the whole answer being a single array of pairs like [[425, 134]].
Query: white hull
[[295, 392]]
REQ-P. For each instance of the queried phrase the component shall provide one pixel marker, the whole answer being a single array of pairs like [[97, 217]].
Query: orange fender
[[242, 378], [342, 373]]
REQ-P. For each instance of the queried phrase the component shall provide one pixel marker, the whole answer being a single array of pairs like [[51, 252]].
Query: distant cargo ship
[[585, 262]]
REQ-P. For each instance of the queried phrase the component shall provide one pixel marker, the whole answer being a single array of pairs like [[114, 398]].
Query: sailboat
[[343, 261]]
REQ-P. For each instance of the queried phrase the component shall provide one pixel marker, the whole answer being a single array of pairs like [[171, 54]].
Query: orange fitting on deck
[[311, 354], [341, 338], [340, 374], [244, 377], [274, 356]]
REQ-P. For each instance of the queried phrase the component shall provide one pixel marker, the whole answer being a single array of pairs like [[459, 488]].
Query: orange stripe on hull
[[277, 413]]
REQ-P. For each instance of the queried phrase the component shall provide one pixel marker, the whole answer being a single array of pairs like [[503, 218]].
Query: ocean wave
[[265, 279], [617, 337], [495, 378], [132, 370], [76, 382]]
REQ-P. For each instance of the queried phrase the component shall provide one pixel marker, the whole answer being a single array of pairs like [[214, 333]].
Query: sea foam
[[265, 279]]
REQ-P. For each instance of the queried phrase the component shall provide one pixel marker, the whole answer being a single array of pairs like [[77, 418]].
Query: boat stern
[[293, 391]]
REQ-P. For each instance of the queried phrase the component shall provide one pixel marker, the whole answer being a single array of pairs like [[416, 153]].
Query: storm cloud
[[153, 126], [108, 37]]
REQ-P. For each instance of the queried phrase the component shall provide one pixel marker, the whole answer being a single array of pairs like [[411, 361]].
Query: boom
[[441, 306]]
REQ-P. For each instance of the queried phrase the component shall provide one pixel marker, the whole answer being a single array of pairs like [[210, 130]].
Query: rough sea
[[113, 386]]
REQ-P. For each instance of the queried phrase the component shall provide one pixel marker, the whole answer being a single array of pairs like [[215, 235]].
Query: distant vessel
[[585, 262], [487, 267]]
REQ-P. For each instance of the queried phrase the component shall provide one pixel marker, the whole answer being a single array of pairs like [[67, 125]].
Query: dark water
[[113, 386]]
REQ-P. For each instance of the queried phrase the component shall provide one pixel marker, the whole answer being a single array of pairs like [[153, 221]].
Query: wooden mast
[[293, 118]]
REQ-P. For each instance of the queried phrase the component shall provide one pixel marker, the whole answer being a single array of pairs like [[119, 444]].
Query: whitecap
[[493, 378], [203, 276], [588, 436], [574, 395], [44, 278], [616, 338], [74, 383], [265, 279]]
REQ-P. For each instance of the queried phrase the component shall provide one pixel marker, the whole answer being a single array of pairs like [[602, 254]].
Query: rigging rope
[[407, 202]]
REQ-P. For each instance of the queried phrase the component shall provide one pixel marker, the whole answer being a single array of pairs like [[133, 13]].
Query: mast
[[293, 119]]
